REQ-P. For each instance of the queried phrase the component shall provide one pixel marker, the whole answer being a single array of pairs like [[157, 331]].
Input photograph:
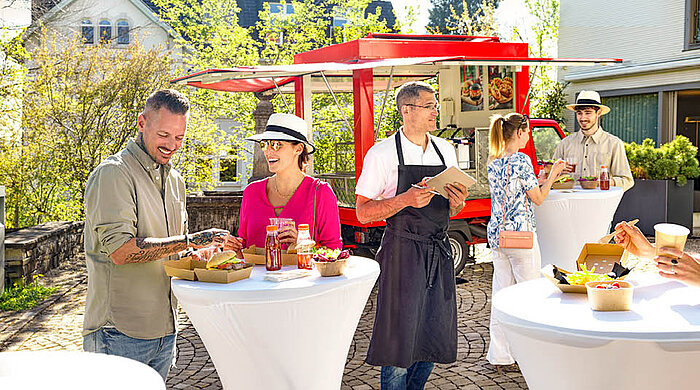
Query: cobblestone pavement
[[57, 322]]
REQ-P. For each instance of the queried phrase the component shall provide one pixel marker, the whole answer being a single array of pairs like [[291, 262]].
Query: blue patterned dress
[[522, 179]]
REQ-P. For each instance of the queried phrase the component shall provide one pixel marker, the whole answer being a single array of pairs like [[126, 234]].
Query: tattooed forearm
[[143, 250], [207, 237]]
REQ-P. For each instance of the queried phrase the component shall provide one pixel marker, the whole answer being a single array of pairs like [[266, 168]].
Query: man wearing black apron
[[416, 320]]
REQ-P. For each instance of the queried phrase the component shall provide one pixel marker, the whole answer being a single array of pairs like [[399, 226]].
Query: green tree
[[547, 96], [308, 28], [79, 105], [209, 36], [453, 16]]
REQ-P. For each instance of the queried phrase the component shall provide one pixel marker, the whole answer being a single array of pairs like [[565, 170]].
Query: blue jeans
[[157, 353], [411, 378]]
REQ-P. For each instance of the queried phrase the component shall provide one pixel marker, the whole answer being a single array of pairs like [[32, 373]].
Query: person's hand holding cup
[[287, 231], [669, 235]]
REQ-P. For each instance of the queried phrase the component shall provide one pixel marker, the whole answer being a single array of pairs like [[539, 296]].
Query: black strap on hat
[[584, 102], [301, 137]]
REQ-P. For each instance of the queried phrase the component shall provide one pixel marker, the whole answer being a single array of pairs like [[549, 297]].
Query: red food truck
[[477, 77]]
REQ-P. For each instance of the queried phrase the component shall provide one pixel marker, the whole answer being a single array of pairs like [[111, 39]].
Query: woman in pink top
[[289, 193]]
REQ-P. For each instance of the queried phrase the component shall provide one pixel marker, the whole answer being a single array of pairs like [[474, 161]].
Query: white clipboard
[[449, 176]]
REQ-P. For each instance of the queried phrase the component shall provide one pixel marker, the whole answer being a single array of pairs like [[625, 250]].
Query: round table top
[[256, 288], [579, 193], [661, 310], [75, 370]]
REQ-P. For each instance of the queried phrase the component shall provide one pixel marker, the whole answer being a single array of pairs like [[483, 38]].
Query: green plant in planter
[[675, 160]]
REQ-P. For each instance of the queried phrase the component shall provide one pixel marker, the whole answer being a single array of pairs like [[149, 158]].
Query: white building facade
[[655, 92]]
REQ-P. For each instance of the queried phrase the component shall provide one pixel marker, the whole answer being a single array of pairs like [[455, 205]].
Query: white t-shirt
[[380, 173]]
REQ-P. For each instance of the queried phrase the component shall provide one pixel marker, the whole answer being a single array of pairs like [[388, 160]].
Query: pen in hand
[[423, 187]]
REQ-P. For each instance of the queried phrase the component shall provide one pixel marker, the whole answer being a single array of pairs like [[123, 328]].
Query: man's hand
[[210, 236], [457, 193], [418, 197]]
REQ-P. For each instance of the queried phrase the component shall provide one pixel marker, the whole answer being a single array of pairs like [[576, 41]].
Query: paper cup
[[670, 235]]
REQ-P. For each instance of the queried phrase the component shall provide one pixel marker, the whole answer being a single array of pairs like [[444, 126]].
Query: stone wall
[[221, 212], [39, 248]]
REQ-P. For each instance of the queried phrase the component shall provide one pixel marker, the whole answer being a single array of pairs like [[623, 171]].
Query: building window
[[633, 118], [105, 31], [281, 10], [228, 168], [692, 24], [339, 21], [123, 32], [87, 31]]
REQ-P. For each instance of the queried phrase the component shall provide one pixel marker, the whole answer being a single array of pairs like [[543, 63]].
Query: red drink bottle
[[604, 178], [273, 252]]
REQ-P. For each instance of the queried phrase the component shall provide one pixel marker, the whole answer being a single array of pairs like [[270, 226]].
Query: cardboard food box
[[600, 256], [183, 268], [224, 276], [256, 255]]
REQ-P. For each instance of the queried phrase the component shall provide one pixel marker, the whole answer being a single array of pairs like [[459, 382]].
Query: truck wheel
[[460, 250]]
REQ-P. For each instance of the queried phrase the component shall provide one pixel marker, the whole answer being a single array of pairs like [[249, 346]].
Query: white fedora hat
[[285, 127], [589, 98]]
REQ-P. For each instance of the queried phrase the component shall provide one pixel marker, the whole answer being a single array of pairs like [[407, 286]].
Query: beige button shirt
[[129, 195], [589, 153]]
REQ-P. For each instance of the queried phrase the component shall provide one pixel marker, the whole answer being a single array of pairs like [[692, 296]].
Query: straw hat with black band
[[285, 127], [589, 98]]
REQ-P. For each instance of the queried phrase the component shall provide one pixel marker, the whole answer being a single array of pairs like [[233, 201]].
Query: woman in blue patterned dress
[[514, 188]]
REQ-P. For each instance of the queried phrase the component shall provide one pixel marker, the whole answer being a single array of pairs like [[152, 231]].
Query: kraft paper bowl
[[330, 268], [618, 299], [588, 184]]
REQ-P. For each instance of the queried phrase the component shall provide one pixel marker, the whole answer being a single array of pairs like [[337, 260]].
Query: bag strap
[[505, 201], [313, 219]]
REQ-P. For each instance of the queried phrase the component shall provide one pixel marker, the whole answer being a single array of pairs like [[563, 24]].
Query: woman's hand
[[288, 234], [678, 265], [633, 240], [557, 169], [234, 244]]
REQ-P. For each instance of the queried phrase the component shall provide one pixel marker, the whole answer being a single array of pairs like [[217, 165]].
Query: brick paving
[[56, 325]]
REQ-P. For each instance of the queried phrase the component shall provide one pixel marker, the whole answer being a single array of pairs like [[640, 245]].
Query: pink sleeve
[[243, 218], [327, 218]]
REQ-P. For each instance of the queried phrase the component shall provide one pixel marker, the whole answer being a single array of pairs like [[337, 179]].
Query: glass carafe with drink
[[305, 247], [273, 251], [604, 178]]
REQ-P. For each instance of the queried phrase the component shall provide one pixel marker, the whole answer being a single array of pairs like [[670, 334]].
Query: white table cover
[[74, 370], [559, 342], [567, 219], [290, 335]]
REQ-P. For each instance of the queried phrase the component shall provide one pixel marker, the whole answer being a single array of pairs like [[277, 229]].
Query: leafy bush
[[22, 296], [675, 160]]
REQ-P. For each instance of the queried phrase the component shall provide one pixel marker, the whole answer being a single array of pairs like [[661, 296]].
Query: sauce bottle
[[273, 252], [604, 178], [305, 247]]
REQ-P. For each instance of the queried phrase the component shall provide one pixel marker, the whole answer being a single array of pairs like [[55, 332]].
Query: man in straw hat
[[592, 147]]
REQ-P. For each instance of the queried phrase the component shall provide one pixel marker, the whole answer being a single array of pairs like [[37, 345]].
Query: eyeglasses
[[275, 145], [430, 106]]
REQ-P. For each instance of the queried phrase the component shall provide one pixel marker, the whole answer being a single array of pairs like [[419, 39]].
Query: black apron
[[416, 317]]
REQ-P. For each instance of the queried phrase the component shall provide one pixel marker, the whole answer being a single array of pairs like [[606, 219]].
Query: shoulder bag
[[514, 239]]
